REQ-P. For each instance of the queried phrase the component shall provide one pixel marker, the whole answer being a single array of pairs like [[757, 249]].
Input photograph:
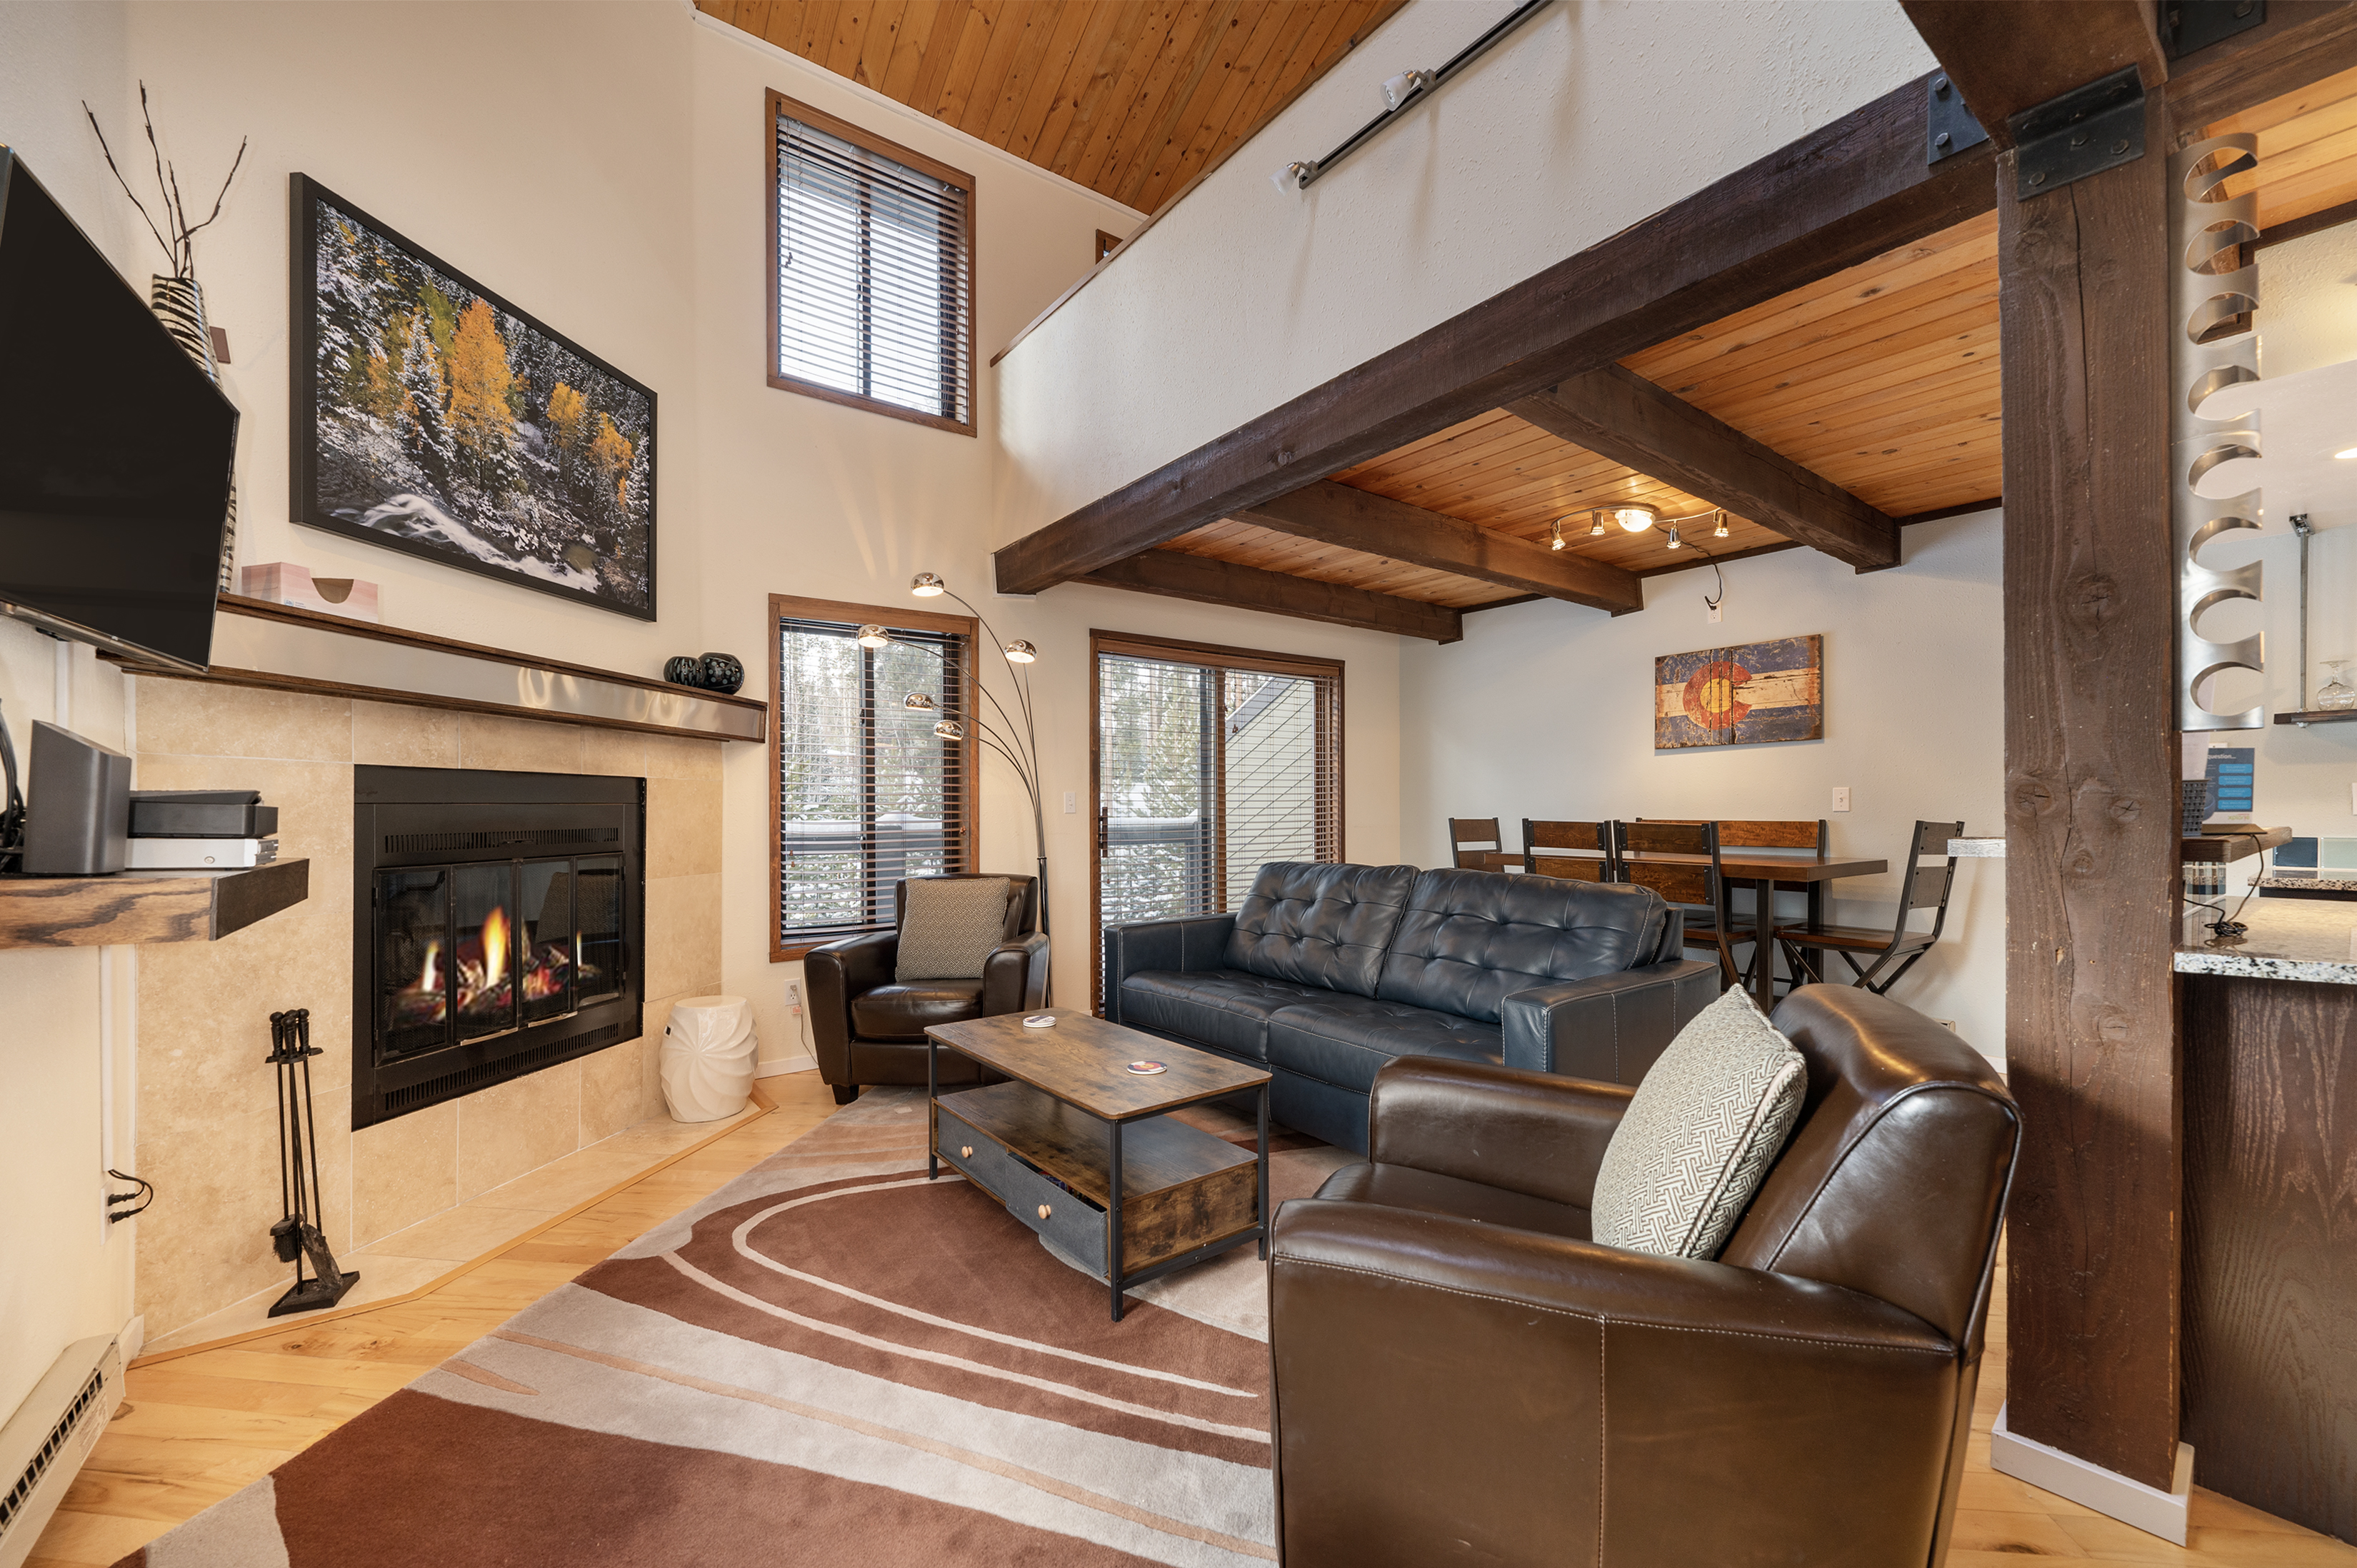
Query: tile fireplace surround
[[206, 1137]]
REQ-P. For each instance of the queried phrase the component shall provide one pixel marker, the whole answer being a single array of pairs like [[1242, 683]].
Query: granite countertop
[[2290, 939], [2318, 884]]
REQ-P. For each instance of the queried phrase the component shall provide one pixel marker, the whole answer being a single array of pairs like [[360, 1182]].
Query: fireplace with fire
[[498, 929]]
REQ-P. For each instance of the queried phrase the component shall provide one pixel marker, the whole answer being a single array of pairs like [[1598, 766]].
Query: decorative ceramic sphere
[[686, 669], [723, 672]]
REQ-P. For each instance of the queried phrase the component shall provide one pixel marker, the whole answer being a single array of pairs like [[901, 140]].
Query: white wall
[[811, 498], [2308, 305], [64, 1273], [1594, 115], [1546, 710]]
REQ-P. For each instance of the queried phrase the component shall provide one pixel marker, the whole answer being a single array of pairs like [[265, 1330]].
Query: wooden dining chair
[[1473, 841], [1925, 883], [1696, 888], [1579, 850]]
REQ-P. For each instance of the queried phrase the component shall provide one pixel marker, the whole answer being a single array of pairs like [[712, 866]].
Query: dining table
[[1764, 871]]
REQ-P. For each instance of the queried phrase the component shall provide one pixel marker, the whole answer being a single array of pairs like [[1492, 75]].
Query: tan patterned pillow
[[1699, 1134], [949, 925]]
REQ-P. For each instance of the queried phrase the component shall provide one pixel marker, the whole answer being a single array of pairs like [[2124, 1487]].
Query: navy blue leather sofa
[[1326, 973]]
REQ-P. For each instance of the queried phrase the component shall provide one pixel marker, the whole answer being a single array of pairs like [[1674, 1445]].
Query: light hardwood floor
[[196, 1429]]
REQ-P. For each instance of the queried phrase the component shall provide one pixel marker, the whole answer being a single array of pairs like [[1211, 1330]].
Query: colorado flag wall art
[[1740, 697]]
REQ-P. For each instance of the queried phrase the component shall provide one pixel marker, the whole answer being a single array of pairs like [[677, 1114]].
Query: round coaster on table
[[1040, 1021]]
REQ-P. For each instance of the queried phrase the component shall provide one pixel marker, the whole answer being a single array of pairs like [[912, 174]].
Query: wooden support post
[[2091, 818]]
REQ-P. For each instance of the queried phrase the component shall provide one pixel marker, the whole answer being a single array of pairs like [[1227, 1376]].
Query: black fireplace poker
[[296, 1236]]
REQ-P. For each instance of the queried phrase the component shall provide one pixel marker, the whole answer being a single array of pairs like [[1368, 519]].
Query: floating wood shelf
[[2318, 716], [2241, 847], [145, 906]]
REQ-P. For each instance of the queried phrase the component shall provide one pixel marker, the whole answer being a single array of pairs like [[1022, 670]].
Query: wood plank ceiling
[[1882, 379], [1131, 98]]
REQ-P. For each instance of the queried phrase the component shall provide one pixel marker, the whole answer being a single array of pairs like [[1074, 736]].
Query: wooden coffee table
[[1081, 1150]]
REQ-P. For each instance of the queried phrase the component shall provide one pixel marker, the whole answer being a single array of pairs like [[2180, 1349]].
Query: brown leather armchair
[[1462, 1375], [870, 1028]]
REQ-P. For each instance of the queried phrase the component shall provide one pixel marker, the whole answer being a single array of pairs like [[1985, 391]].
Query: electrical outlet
[[1073, 800], [793, 997], [1714, 614], [1841, 797]]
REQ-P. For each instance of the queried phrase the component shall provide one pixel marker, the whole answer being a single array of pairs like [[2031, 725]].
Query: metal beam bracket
[[2187, 25], [1949, 127], [2085, 131]]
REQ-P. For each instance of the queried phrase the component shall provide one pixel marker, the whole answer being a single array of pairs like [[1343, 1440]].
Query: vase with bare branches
[[177, 300]]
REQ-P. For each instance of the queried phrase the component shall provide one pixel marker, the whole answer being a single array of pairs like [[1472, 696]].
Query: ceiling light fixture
[[1594, 525], [926, 585], [1293, 175], [1398, 89], [1555, 535], [1720, 532], [872, 636], [1676, 543], [1638, 518]]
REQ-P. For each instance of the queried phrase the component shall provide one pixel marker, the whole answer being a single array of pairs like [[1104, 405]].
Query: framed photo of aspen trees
[[433, 417]]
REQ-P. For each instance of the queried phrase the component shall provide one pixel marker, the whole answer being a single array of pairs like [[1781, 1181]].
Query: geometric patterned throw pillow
[[948, 926], [1699, 1134]]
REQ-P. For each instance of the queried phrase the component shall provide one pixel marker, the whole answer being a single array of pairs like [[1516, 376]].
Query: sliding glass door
[[1209, 762]]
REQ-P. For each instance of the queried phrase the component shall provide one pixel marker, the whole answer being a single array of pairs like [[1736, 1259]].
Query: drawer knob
[[966, 1151], [1043, 1211]]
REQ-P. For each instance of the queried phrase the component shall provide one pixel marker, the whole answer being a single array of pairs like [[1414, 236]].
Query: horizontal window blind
[[1207, 771], [867, 793], [874, 275]]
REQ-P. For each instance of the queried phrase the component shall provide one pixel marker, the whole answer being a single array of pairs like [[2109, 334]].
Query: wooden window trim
[[1177, 652], [778, 104], [789, 607]]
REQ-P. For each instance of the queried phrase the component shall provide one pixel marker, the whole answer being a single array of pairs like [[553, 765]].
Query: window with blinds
[[866, 790], [872, 247], [1210, 763]]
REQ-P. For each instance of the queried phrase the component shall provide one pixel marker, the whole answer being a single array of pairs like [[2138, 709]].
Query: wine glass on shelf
[[2338, 693]]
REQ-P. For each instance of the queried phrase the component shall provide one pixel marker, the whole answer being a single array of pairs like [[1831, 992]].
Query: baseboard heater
[[44, 1444]]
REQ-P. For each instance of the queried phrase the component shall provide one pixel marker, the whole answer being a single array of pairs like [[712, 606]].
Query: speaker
[[77, 806]]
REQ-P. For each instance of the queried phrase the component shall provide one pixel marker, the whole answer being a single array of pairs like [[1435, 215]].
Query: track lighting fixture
[[1594, 525], [1720, 532], [1676, 543], [1555, 535], [1637, 517]]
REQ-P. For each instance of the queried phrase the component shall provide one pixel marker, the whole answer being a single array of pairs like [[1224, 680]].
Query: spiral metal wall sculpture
[[2214, 299]]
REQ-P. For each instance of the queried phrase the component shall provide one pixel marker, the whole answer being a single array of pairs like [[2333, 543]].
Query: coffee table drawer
[[1065, 1218], [982, 1159]]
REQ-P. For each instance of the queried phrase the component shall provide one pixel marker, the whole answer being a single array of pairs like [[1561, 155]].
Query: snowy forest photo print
[[433, 417]]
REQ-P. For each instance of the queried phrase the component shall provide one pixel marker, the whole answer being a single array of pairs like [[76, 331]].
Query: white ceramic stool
[[707, 1057]]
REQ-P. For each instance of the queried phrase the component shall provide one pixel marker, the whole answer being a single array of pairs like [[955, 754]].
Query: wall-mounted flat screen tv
[[114, 447]]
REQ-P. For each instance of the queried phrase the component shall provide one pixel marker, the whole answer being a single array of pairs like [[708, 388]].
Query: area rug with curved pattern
[[830, 1359]]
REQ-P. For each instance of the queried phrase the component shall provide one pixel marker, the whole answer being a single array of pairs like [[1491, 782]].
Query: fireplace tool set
[[297, 1237]]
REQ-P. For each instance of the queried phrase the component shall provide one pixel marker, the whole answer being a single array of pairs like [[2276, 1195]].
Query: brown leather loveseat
[[1462, 1376]]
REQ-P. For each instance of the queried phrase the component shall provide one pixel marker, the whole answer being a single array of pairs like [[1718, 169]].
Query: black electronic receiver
[[201, 814]]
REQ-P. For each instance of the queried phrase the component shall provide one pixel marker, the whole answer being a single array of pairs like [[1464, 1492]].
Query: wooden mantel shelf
[[280, 648], [2235, 847], [145, 906]]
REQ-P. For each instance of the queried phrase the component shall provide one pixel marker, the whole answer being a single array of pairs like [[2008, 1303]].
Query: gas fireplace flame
[[495, 947], [429, 973]]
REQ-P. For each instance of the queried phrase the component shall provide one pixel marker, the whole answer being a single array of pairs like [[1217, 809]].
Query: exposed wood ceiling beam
[[2302, 41], [2003, 65], [1840, 194], [1622, 415], [1183, 576], [1360, 520]]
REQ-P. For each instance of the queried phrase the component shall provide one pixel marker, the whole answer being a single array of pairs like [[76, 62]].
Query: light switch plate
[[1841, 797], [1072, 801]]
